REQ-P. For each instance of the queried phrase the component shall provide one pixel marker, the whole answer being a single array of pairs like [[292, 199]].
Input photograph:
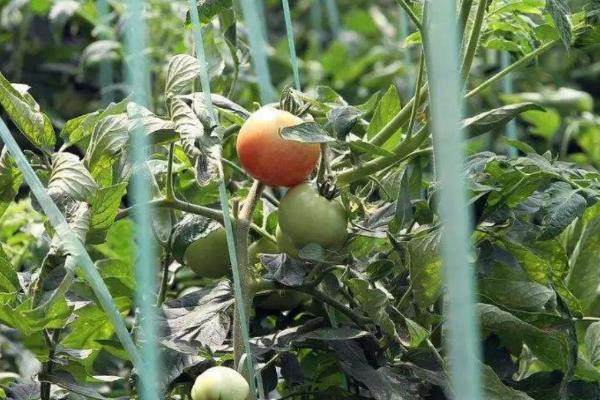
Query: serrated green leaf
[[306, 132], [426, 268], [9, 280], [81, 128], [208, 9], [386, 109], [104, 207], [583, 279], [25, 114], [374, 302], [10, 180], [564, 204], [70, 176], [496, 118], [559, 10], [183, 69]]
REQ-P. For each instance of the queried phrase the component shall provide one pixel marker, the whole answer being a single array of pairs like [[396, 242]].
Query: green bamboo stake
[[290, 35], [224, 199], [404, 33], [146, 262], [258, 51], [334, 17], [507, 88], [316, 21], [260, 9], [446, 99], [106, 68], [72, 244]]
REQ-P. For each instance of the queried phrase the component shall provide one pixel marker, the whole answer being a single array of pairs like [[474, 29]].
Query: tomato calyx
[[292, 103], [328, 189]]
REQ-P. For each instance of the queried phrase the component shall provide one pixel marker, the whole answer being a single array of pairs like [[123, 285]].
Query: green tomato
[[307, 217], [285, 243], [208, 256], [280, 300], [220, 383], [261, 246]]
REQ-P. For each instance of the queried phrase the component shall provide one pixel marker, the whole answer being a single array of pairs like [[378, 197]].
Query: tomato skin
[[307, 217], [261, 246], [220, 383], [285, 243], [268, 157], [209, 256]]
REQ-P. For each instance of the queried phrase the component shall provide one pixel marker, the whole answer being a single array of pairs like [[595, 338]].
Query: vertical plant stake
[[289, 27], [446, 109], [223, 197], [507, 86], [258, 51], [334, 17], [106, 69], [146, 265]]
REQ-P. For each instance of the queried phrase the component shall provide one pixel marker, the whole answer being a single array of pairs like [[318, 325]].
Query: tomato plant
[[332, 191]]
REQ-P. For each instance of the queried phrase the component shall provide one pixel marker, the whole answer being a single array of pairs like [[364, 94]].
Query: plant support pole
[[507, 88], [239, 280], [446, 100], [290, 35], [146, 265]]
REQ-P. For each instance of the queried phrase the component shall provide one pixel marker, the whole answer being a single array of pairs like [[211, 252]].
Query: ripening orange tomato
[[268, 157]]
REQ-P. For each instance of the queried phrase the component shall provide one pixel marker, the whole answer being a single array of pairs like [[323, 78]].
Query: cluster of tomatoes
[[305, 217]]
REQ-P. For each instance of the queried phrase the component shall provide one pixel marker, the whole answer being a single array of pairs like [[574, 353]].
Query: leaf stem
[[413, 113], [242, 230], [170, 191], [473, 40], [413, 17], [181, 205], [267, 285], [405, 150], [463, 18], [524, 60]]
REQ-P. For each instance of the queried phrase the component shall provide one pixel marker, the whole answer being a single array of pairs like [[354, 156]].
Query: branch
[[267, 286], [177, 205], [411, 14], [241, 230], [405, 150], [540, 50], [473, 40]]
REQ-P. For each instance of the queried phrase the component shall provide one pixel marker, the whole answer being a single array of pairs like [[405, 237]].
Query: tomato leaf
[[496, 118], [559, 10], [198, 319], [306, 132], [70, 176], [562, 206], [25, 114], [10, 180], [183, 69], [283, 269]]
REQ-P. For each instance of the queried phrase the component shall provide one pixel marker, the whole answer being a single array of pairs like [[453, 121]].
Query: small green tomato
[[261, 246], [307, 217], [208, 256], [220, 383]]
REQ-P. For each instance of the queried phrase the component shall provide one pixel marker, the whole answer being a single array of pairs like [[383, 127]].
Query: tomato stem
[[264, 285], [242, 230], [170, 191]]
